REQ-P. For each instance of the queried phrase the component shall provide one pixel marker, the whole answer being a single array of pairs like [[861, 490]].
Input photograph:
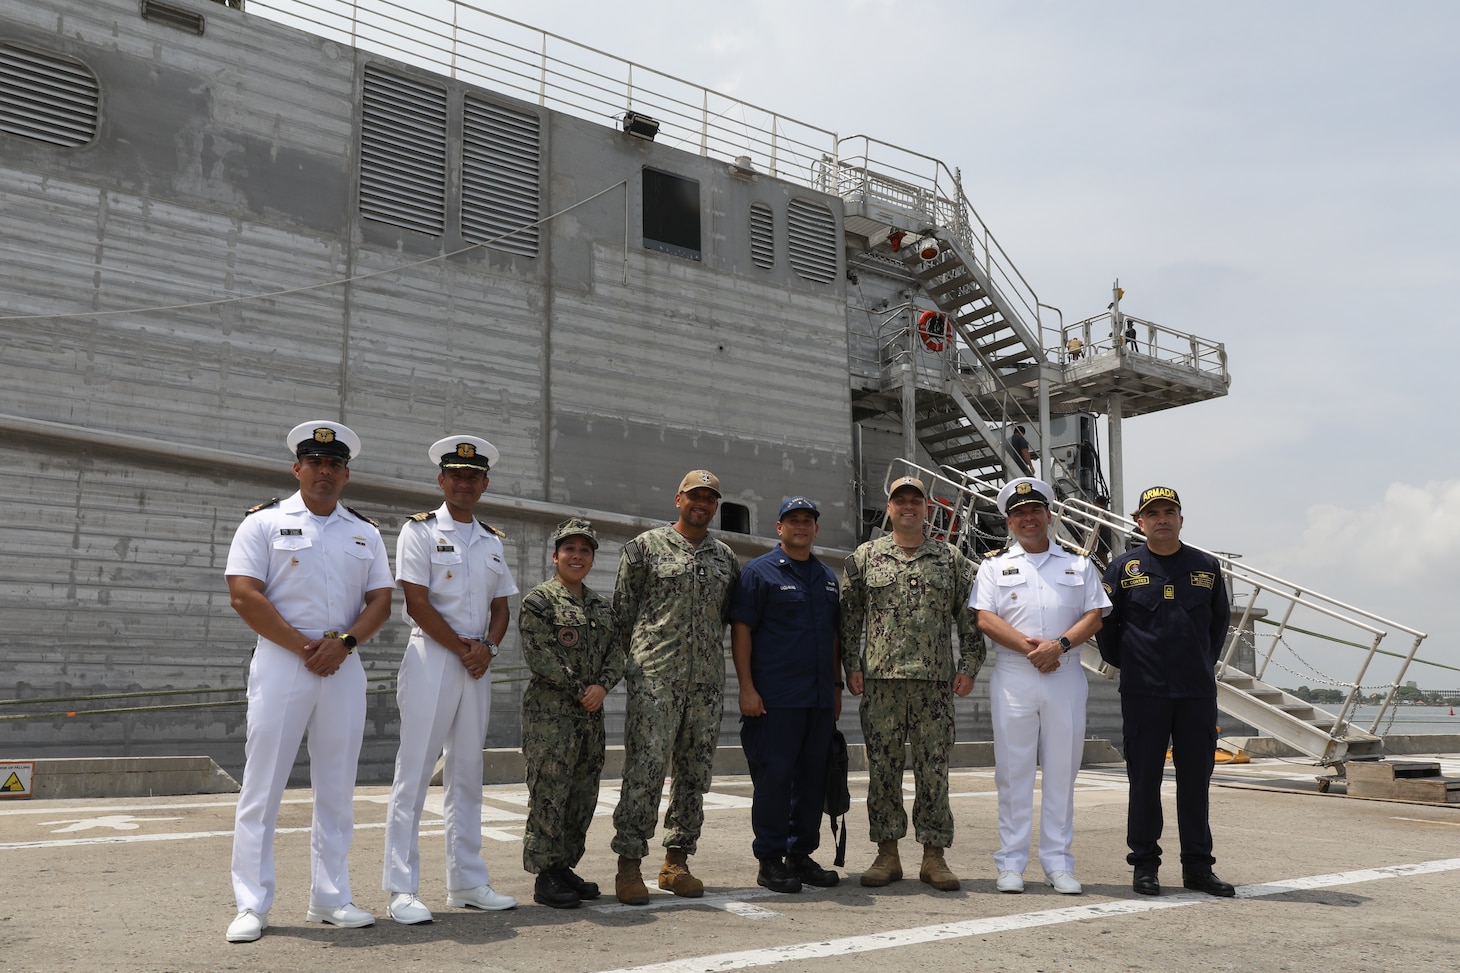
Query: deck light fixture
[[928, 247], [640, 126]]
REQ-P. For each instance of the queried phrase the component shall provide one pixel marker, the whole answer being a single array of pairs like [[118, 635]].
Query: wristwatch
[[1064, 644], [491, 647], [345, 637]]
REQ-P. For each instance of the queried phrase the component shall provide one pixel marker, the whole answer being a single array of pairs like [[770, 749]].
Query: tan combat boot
[[628, 884], [886, 869], [675, 877], [935, 870]]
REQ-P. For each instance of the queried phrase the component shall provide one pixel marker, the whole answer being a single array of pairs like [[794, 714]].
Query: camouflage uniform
[[569, 644], [674, 597], [907, 604]]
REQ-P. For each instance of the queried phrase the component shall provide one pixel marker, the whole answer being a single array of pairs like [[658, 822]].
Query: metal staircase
[[1329, 739]]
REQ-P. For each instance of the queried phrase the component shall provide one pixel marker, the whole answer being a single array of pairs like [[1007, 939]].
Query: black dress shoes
[[1208, 883], [775, 876], [1145, 882], [810, 873], [552, 890]]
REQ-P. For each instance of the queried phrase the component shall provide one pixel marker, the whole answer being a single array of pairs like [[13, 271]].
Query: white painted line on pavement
[[893, 939]]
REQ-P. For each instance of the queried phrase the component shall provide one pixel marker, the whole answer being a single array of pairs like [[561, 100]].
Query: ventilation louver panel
[[762, 236], [403, 152], [501, 153], [811, 240], [47, 97]]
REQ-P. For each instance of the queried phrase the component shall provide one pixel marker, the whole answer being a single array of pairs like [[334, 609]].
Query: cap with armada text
[[575, 527], [695, 479], [1024, 490], [798, 503], [321, 437], [1155, 493], [464, 453], [906, 483]]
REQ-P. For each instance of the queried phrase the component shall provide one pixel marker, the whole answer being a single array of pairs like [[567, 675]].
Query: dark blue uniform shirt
[[792, 610], [1167, 623]]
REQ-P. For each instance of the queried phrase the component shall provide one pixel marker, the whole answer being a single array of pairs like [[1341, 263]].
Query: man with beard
[[673, 595]]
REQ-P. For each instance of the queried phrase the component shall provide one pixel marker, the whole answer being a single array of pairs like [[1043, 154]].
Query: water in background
[[1405, 719]]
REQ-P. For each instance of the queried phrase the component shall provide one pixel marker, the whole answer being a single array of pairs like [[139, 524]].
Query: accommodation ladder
[[1268, 614]]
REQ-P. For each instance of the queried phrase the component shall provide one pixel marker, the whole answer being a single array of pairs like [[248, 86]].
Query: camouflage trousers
[[673, 727], [895, 712], [563, 748]]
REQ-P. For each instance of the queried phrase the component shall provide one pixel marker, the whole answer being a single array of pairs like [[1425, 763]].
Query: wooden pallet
[[1402, 780]]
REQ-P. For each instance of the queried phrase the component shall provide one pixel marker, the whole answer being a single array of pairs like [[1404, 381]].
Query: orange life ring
[[933, 329]]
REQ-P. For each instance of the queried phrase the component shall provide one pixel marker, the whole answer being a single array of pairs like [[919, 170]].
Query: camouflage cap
[[575, 526]]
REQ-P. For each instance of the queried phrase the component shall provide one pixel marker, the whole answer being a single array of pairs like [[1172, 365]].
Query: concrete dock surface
[[1325, 882]]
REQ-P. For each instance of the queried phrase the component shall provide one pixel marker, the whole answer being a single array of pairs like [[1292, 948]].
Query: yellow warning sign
[[15, 778]]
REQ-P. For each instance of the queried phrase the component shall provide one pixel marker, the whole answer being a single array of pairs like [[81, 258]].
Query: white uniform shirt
[[315, 570], [1041, 595], [463, 565]]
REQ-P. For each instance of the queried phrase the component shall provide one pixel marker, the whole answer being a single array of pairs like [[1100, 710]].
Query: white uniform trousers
[[284, 700], [441, 706], [1036, 717]]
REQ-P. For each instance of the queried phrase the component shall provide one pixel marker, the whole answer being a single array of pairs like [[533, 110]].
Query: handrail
[[1075, 514], [1155, 341], [476, 46], [924, 186]]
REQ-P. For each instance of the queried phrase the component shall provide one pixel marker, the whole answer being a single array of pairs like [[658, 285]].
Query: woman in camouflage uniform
[[571, 643]]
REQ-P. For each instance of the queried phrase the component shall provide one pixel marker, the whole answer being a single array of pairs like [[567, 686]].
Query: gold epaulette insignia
[[1072, 549], [262, 506], [423, 515], [492, 529]]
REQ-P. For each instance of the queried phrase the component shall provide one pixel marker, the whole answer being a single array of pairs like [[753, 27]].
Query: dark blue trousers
[[787, 750], [1190, 726]]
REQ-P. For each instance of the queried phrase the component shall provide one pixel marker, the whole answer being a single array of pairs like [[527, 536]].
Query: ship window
[[47, 97], [734, 517], [762, 236], [403, 152], [811, 240], [672, 214], [500, 155]]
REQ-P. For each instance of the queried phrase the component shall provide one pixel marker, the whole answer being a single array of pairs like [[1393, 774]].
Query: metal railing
[[476, 46], [1305, 621], [1098, 335], [871, 171]]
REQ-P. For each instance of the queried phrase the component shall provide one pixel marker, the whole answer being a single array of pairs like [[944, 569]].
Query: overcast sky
[[1277, 176]]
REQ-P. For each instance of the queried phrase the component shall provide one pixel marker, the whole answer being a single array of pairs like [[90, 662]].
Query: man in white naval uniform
[[1036, 601], [312, 578], [455, 578]]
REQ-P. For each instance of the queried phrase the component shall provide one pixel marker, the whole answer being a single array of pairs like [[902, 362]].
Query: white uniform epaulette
[[360, 516], [994, 553], [262, 506], [491, 528], [423, 515], [1072, 549]]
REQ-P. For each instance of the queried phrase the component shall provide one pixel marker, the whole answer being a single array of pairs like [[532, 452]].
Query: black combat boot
[[551, 890]]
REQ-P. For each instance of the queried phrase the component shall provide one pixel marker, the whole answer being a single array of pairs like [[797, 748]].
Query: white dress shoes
[[347, 915], [1063, 882], [406, 909], [1011, 882], [247, 926], [481, 897]]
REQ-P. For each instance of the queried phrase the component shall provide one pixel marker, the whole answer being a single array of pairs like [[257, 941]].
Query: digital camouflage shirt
[[907, 605], [569, 643], [674, 597]]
